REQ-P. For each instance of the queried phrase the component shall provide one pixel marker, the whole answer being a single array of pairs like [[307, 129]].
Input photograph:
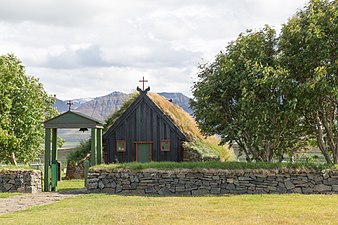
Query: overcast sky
[[80, 48]]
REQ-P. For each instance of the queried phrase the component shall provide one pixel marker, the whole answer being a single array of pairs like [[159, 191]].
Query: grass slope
[[240, 209], [212, 165]]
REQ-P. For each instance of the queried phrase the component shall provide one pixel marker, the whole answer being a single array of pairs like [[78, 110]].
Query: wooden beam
[[99, 146], [93, 156], [54, 159], [46, 186]]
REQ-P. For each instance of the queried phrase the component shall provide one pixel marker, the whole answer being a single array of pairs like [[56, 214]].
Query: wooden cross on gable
[[143, 81], [143, 91], [70, 103]]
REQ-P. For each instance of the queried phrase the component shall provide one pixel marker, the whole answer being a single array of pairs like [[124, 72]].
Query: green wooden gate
[[68, 119]]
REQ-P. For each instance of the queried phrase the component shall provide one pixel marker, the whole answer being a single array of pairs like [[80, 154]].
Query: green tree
[[239, 97], [308, 50], [24, 106], [60, 142]]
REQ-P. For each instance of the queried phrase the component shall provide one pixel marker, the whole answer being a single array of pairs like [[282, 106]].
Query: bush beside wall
[[209, 181]]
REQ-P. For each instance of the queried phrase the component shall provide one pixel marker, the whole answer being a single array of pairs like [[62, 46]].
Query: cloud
[[90, 56], [102, 46]]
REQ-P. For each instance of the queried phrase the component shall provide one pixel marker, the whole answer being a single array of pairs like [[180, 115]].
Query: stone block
[[331, 181], [260, 191], [215, 190], [307, 190], [310, 176], [125, 182], [335, 188], [296, 190], [230, 180], [224, 191], [322, 188], [326, 175], [12, 181], [93, 180], [230, 187], [8, 186], [207, 178], [289, 185], [281, 190], [200, 192], [92, 186], [101, 185], [21, 189], [180, 175], [165, 192], [272, 188], [150, 190], [179, 188], [31, 189], [212, 184], [318, 179], [118, 188]]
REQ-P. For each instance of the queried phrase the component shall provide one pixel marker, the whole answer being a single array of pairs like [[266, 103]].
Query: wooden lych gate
[[68, 120]]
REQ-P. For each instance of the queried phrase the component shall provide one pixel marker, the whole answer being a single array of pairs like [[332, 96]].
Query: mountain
[[61, 105], [102, 107], [178, 99]]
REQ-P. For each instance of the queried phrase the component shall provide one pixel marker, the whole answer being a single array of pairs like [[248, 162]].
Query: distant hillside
[[101, 107], [61, 105], [179, 99]]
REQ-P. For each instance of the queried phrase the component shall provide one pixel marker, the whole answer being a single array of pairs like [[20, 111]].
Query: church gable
[[151, 128], [143, 125]]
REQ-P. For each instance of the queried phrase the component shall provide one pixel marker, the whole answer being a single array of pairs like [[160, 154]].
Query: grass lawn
[[226, 209], [70, 184], [211, 165], [7, 194]]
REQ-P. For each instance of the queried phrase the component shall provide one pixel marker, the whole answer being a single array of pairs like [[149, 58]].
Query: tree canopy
[[238, 96], [264, 92], [24, 106], [308, 50]]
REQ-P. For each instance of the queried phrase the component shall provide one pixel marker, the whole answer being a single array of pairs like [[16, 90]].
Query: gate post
[[46, 183]]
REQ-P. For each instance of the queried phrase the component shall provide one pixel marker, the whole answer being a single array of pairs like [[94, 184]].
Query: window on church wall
[[120, 146], [165, 146]]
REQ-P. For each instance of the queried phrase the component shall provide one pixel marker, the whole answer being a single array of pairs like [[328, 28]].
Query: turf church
[[143, 133]]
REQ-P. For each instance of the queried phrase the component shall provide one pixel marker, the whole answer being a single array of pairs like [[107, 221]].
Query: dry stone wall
[[27, 181], [213, 182]]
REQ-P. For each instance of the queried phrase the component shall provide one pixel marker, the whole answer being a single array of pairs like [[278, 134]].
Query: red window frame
[[165, 141], [124, 144]]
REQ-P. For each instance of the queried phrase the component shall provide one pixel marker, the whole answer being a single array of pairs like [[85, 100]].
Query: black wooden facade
[[141, 128]]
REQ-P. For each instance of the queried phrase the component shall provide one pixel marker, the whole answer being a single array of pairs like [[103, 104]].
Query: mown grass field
[[226, 209], [66, 185], [212, 165], [7, 195]]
